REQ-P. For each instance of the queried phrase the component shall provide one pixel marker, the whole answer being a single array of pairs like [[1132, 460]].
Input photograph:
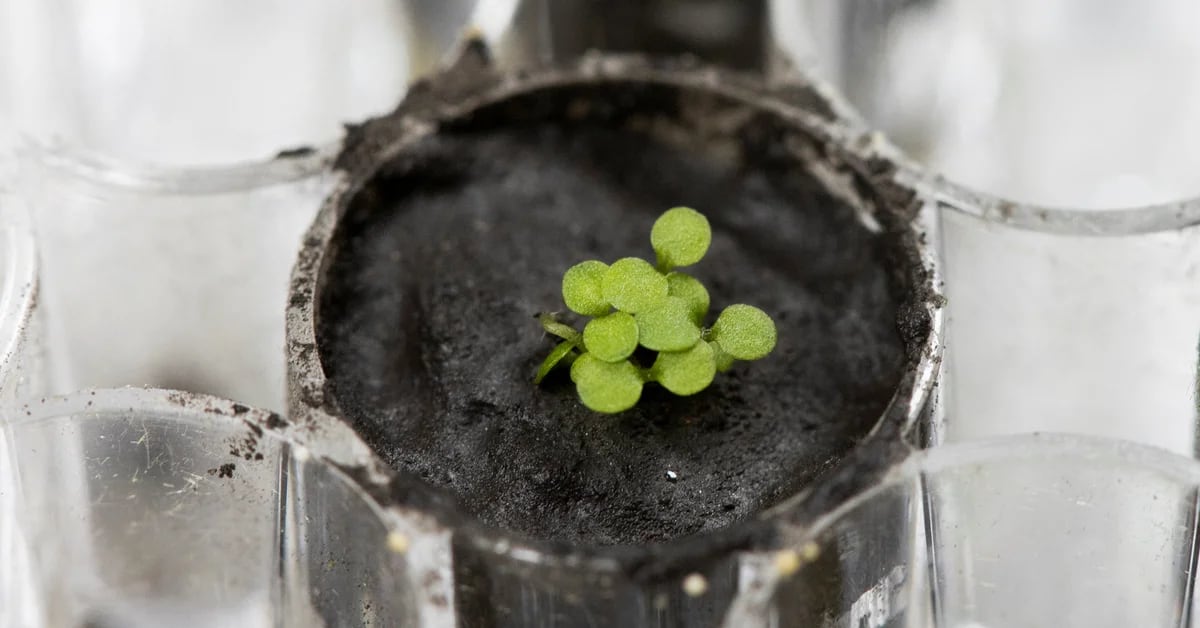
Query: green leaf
[[607, 387], [745, 332], [680, 237], [668, 327], [724, 360], [560, 351], [632, 285], [582, 288], [612, 337], [689, 289], [685, 372]]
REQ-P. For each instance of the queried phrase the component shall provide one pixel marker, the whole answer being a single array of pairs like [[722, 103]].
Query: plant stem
[[661, 264], [562, 330]]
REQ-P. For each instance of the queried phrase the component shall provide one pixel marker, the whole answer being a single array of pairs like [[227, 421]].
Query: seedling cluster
[[632, 303]]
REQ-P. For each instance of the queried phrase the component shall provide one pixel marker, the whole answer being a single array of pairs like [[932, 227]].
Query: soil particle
[[224, 471]]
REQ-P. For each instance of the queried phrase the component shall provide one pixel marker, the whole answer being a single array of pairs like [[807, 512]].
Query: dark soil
[[427, 335]]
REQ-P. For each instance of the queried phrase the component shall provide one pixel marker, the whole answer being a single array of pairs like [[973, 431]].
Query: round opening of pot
[[430, 268]]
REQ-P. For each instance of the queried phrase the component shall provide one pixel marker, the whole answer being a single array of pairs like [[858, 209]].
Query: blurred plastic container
[[1023, 99], [1019, 531], [1061, 317], [137, 507], [167, 229], [199, 84], [728, 32], [180, 286]]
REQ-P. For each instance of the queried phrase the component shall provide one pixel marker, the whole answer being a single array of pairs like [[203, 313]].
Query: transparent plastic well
[[1071, 331], [1018, 531], [168, 287], [136, 507], [1068, 191], [171, 159]]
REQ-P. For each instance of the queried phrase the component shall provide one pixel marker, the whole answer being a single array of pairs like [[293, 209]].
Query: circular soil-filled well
[[453, 234]]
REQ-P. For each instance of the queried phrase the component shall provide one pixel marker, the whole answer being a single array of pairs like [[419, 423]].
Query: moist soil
[[427, 334]]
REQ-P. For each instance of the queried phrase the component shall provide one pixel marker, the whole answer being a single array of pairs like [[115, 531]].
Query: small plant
[[632, 303]]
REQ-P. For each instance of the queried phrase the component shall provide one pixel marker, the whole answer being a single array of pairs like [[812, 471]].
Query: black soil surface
[[426, 330]]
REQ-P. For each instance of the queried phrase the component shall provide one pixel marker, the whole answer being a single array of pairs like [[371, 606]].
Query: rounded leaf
[[745, 332], [686, 372], [612, 337], [689, 289], [582, 288], [668, 327], [680, 237], [633, 285], [606, 386]]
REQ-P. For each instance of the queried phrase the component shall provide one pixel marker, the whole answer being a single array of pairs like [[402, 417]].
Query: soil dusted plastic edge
[[856, 159]]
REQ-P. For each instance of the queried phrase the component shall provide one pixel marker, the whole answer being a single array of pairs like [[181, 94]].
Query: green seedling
[[632, 303]]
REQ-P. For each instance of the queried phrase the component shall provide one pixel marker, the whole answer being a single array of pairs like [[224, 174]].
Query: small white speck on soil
[[397, 542], [787, 563], [695, 585]]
